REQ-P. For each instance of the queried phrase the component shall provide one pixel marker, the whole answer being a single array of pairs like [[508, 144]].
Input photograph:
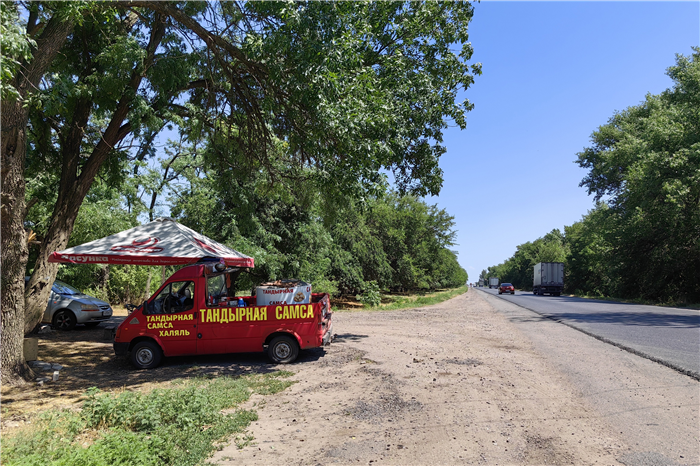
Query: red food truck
[[194, 312]]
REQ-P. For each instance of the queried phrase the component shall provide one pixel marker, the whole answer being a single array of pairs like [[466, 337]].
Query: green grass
[[177, 426], [396, 302]]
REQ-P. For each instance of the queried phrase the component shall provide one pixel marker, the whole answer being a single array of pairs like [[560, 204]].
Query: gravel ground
[[453, 383]]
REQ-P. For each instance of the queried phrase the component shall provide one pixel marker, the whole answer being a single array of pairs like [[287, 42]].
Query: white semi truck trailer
[[548, 278]]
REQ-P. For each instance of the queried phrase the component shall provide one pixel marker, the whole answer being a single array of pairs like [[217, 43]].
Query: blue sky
[[553, 72]]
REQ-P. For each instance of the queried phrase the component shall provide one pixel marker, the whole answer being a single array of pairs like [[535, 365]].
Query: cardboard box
[[31, 349]]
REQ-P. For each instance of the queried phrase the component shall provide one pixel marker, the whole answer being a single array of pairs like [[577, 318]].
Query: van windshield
[[175, 297], [216, 289]]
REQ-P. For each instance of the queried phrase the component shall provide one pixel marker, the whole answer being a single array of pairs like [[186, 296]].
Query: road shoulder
[[654, 408], [452, 383]]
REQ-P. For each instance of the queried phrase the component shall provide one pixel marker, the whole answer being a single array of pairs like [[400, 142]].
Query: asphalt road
[[670, 336]]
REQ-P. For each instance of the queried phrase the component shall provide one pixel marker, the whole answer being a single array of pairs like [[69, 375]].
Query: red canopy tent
[[160, 242]]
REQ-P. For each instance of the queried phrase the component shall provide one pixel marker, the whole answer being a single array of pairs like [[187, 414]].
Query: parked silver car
[[69, 306]]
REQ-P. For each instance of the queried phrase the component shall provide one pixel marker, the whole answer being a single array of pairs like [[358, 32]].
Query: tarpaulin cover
[[161, 242]]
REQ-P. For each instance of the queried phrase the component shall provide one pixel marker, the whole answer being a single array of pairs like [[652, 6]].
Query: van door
[[172, 316], [214, 331]]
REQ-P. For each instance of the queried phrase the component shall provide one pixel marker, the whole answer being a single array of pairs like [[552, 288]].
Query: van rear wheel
[[283, 350], [146, 355]]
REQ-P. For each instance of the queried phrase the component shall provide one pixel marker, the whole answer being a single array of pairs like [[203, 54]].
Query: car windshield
[[506, 284], [64, 288]]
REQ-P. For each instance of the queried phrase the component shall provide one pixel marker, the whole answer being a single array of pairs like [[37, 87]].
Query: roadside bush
[[325, 285], [370, 295]]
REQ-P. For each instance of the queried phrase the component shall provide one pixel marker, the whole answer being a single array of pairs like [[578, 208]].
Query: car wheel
[[512, 292], [92, 324], [146, 355], [64, 320], [283, 350]]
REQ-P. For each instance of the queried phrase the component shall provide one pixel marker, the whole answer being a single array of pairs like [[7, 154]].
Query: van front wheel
[[146, 355], [283, 350]]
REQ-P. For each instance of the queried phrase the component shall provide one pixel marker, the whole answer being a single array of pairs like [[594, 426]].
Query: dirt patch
[[452, 383]]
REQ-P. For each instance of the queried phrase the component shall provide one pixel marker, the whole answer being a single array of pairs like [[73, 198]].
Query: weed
[[175, 426], [244, 441]]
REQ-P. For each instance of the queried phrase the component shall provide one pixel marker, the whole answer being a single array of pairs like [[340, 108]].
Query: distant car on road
[[68, 306], [506, 288]]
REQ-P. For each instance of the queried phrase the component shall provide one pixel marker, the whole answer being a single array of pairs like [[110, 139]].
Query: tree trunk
[[65, 212], [57, 236], [105, 279], [13, 244], [14, 121], [148, 283]]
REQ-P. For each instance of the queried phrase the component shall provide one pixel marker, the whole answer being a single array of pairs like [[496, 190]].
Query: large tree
[[349, 88], [645, 163]]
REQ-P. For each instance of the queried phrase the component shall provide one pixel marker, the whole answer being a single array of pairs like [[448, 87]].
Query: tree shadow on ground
[[88, 360]]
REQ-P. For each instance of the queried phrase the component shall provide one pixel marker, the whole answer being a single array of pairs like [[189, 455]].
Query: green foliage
[[646, 163], [295, 230], [379, 81], [370, 295], [102, 214], [282, 158], [132, 283], [15, 48], [174, 426], [351, 88], [590, 265], [412, 235]]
